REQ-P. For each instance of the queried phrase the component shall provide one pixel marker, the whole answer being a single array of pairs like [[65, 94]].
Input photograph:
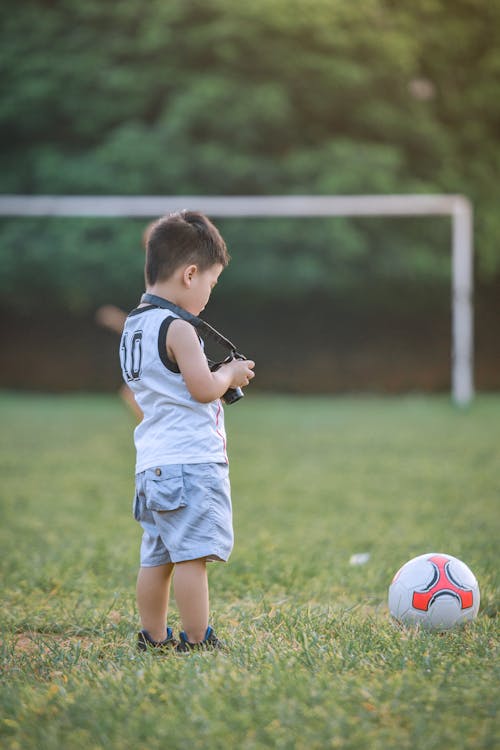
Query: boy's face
[[202, 283]]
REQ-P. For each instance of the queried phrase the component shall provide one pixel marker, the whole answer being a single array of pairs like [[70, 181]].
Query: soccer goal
[[457, 207]]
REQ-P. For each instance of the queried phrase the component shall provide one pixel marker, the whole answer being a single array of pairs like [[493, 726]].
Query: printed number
[[131, 355]]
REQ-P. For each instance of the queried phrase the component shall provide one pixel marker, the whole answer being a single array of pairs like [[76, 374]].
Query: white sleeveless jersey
[[176, 428]]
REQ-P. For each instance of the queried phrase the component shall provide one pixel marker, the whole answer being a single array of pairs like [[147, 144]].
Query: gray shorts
[[185, 511]]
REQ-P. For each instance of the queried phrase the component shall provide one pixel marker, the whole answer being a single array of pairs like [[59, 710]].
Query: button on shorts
[[185, 512]]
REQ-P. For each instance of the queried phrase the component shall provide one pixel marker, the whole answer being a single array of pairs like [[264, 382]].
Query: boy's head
[[182, 239]]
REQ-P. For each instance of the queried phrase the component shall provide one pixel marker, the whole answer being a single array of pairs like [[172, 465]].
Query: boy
[[182, 486]]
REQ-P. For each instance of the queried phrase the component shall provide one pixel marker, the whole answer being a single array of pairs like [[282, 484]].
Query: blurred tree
[[224, 97], [458, 59]]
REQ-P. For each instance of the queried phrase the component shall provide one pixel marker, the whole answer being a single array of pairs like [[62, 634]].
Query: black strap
[[201, 325]]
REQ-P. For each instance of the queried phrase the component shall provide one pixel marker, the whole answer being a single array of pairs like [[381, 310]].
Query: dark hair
[[182, 238]]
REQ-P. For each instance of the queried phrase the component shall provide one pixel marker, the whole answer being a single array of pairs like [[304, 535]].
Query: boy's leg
[[153, 590], [191, 595]]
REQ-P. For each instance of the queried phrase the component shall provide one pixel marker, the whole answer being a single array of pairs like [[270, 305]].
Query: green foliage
[[71, 264], [79, 264], [313, 660], [274, 96]]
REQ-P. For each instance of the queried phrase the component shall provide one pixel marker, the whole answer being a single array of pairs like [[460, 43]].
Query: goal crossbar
[[457, 207]]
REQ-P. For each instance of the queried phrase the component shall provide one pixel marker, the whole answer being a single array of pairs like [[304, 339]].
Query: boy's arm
[[183, 347]]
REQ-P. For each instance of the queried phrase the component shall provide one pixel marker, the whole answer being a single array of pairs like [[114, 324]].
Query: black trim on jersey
[[139, 310], [162, 344]]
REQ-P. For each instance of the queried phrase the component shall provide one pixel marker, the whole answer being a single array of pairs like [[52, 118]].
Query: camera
[[232, 395]]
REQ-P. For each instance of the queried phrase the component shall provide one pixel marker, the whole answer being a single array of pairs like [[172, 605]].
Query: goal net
[[457, 207]]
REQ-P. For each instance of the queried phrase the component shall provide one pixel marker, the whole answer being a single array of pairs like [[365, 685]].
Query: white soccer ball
[[435, 591]]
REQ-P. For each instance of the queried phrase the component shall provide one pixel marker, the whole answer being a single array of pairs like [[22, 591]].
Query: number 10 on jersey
[[131, 355]]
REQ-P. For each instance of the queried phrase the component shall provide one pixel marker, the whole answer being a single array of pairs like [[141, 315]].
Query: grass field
[[313, 660]]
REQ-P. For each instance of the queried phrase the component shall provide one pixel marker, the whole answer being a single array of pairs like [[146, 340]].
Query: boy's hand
[[111, 317], [241, 372]]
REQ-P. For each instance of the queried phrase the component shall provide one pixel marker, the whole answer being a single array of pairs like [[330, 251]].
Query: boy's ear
[[189, 273]]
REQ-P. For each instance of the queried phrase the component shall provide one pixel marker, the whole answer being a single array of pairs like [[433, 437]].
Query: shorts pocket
[[135, 507], [164, 488]]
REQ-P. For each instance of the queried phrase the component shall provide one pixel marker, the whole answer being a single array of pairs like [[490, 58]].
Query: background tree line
[[270, 97]]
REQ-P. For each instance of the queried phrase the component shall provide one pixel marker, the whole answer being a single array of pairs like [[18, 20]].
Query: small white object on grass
[[360, 558]]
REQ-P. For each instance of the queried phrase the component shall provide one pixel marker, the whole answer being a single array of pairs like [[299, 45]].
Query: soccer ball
[[435, 591]]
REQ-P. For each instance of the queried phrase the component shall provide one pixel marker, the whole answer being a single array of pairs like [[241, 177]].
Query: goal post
[[457, 207]]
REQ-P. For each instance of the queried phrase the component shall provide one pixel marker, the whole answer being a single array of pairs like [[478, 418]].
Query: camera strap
[[201, 325]]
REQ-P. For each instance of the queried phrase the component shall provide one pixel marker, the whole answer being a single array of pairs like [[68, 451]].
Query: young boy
[[182, 486]]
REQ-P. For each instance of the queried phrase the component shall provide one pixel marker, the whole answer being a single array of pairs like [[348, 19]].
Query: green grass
[[314, 661]]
